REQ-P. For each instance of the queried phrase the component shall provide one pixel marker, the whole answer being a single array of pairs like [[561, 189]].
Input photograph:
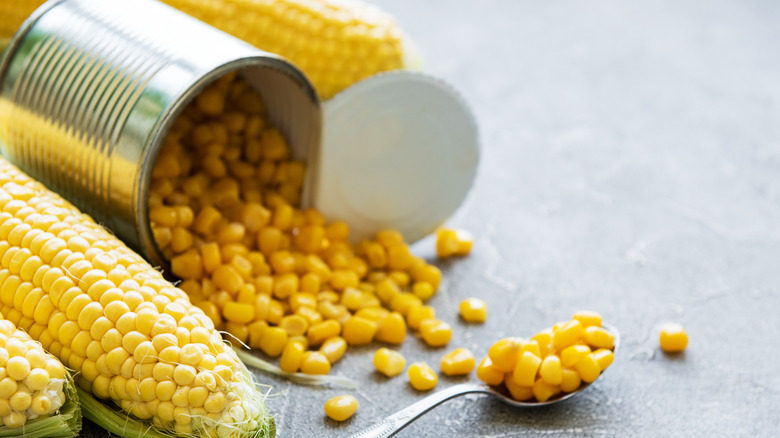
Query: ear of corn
[[335, 43], [132, 337], [37, 396]]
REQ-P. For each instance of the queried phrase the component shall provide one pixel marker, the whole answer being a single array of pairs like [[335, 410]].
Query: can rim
[[265, 61]]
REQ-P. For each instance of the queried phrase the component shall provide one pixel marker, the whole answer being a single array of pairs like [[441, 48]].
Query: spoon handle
[[394, 423]]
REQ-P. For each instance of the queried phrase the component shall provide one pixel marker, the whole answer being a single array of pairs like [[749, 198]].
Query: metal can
[[90, 88]]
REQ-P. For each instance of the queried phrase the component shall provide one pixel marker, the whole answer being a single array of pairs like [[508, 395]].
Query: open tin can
[[89, 90]]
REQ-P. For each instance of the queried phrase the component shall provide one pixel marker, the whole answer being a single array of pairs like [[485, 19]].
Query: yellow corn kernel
[[570, 380], [572, 354], [505, 353], [359, 331], [310, 283], [314, 362], [294, 325], [421, 376], [567, 334], [256, 331], [423, 290], [239, 313], [427, 273], [373, 313], [550, 370], [344, 278], [275, 312], [341, 408], [488, 373], [334, 348], [435, 333], [458, 362], [402, 302], [292, 356], [388, 362], [473, 310], [604, 358], [588, 318], [518, 392], [526, 368], [319, 333], [544, 341], [399, 257], [273, 341], [310, 314], [532, 347], [598, 337], [376, 255], [417, 314], [391, 329], [543, 390], [386, 290], [673, 338], [389, 238], [588, 368]]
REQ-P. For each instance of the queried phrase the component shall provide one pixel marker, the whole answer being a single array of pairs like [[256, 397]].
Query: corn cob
[[335, 43], [131, 336], [32, 382]]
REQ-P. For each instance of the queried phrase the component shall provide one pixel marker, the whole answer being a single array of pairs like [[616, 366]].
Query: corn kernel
[[572, 354], [526, 368], [488, 373], [604, 358], [543, 390], [240, 313], [598, 337], [588, 368], [459, 361], [334, 348], [402, 302], [570, 380], [292, 356], [473, 310], [273, 341], [550, 370], [588, 318], [314, 362], [505, 353], [421, 376], [423, 290], [567, 334], [417, 314], [435, 333], [518, 392], [673, 338], [359, 331], [341, 408], [388, 362], [391, 329]]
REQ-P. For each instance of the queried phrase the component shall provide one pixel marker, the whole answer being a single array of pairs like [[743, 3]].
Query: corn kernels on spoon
[[394, 423]]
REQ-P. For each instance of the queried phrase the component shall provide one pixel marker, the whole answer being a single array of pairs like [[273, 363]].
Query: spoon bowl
[[395, 422]]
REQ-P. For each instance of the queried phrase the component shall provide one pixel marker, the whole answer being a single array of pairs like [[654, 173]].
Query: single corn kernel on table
[[630, 166]]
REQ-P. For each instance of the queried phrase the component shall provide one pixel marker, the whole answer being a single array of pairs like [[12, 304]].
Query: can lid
[[399, 150]]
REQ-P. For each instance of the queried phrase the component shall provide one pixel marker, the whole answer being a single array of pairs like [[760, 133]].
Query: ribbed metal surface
[[89, 88]]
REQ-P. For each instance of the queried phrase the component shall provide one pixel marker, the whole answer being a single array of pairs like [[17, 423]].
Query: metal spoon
[[394, 423]]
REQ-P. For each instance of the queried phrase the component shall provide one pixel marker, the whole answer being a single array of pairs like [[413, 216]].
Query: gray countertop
[[630, 165]]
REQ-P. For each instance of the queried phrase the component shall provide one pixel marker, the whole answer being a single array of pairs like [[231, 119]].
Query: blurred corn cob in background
[[335, 42]]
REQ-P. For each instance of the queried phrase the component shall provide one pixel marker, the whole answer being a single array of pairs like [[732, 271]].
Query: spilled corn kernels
[[223, 209], [554, 361], [673, 338]]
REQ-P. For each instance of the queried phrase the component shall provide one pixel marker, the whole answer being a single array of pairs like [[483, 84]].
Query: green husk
[[304, 379], [115, 420], [66, 423], [120, 423]]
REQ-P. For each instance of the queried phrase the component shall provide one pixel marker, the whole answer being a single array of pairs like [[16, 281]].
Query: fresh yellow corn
[[435, 333], [132, 337], [391, 329], [421, 376], [32, 380], [673, 338], [335, 43], [341, 408], [388, 362], [473, 310], [453, 242], [458, 362], [555, 360]]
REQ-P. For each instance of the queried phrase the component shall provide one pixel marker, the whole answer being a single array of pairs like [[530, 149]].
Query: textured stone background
[[631, 165]]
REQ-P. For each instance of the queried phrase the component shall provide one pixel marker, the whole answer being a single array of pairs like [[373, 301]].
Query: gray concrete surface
[[631, 165]]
